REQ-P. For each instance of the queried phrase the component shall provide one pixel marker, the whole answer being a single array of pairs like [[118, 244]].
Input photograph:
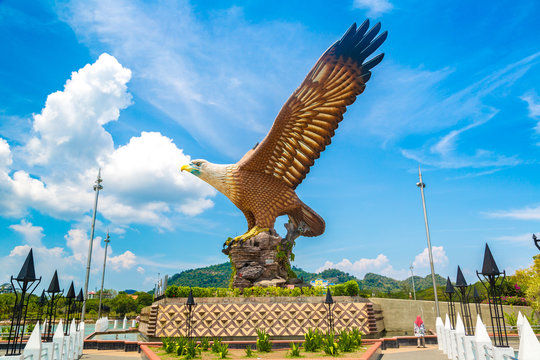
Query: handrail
[[486, 352], [508, 357], [474, 350]]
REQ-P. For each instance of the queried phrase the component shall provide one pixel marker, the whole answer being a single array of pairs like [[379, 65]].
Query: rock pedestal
[[262, 260]]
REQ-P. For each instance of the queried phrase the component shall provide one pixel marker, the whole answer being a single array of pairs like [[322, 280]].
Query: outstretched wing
[[307, 121]]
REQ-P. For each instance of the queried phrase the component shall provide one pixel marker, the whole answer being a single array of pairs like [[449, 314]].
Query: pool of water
[[131, 336]]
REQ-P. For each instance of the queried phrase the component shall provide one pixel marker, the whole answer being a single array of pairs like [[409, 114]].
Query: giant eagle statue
[[262, 184]]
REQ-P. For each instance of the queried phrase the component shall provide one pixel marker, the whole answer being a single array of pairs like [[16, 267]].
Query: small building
[[320, 283], [6, 288]]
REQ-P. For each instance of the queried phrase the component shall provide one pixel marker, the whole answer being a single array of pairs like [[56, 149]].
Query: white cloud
[[375, 7], [528, 213], [32, 234], [359, 268], [140, 270], [522, 238], [439, 258], [142, 179], [533, 102]]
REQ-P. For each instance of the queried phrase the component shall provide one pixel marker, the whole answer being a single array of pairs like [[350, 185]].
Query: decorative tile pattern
[[278, 319]]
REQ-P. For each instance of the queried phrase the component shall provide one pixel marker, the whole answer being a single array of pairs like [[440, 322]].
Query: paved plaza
[[431, 352], [109, 354]]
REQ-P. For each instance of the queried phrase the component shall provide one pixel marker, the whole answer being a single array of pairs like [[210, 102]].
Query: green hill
[[219, 275]]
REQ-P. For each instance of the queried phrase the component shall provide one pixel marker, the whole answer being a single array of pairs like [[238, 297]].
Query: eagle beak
[[185, 167]]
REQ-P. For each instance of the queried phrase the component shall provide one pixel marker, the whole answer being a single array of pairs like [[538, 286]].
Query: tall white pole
[[413, 287], [97, 187], [107, 241], [421, 185]]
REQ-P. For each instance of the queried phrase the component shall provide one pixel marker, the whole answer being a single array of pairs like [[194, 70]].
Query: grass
[[241, 354]]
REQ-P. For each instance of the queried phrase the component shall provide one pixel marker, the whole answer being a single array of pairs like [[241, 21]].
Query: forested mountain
[[219, 275]]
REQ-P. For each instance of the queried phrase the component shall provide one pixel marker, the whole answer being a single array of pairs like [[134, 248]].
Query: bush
[[216, 345], [313, 340], [205, 344], [223, 351], [295, 350], [249, 352], [191, 349], [346, 342], [329, 345], [351, 288], [171, 291], [263, 341]]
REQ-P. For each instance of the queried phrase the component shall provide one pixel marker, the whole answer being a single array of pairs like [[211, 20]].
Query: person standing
[[420, 332]]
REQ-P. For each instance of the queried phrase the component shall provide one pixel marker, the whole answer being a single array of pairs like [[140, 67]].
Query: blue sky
[[139, 88]]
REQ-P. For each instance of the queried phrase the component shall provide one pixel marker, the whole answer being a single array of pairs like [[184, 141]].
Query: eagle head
[[196, 167], [213, 174]]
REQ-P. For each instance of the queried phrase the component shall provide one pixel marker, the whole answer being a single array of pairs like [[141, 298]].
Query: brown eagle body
[[262, 183]]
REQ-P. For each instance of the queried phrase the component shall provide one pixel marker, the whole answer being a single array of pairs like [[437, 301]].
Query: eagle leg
[[256, 230]]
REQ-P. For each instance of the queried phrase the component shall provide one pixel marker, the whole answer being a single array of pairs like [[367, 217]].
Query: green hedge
[[350, 288]]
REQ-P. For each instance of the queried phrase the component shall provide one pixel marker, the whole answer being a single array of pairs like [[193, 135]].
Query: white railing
[[62, 347]]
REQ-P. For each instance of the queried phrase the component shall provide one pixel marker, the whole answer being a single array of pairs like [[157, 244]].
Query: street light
[[464, 291], [491, 274], [26, 280], [536, 241], [55, 295], [477, 301], [97, 187], [107, 241], [421, 185], [69, 300], [450, 291], [413, 287], [330, 313], [190, 304]]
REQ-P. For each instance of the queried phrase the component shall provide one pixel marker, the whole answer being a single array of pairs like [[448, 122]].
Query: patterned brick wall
[[278, 319]]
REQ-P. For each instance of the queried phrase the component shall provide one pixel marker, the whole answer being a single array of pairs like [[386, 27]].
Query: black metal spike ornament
[[536, 241], [330, 312], [190, 305], [491, 275], [70, 296], [54, 295], [27, 283], [41, 303], [450, 291], [477, 301], [79, 300], [464, 291]]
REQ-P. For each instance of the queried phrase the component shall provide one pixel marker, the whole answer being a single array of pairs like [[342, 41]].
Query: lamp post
[[41, 302], [330, 312], [450, 291], [464, 291], [190, 305], [536, 241], [490, 280], [412, 278], [97, 187], [27, 283], [54, 295], [107, 241], [69, 300], [477, 301], [79, 300], [421, 185]]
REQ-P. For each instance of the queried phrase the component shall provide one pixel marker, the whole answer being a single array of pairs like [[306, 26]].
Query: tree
[[123, 304], [530, 280]]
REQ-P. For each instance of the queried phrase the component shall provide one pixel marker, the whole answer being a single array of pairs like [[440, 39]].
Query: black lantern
[[536, 241], [70, 297], [464, 291], [450, 292], [54, 295], [491, 275], [27, 283], [190, 305], [477, 301], [79, 300], [330, 312]]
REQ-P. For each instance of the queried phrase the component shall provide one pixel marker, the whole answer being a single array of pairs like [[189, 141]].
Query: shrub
[[249, 352], [338, 290], [263, 341], [296, 291], [357, 337], [313, 340], [216, 345], [205, 344], [180, 346], [351, 288], [295, 350], [191, 349], [171, 291], [223, 351], [329, 345]]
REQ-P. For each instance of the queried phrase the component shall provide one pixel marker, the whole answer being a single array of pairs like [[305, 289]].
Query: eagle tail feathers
[[312, 222]]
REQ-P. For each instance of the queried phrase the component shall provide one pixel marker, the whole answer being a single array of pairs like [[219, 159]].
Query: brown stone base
[[262, 260]]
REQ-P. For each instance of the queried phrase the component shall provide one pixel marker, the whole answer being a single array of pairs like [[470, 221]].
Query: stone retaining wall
[[240, 317]]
